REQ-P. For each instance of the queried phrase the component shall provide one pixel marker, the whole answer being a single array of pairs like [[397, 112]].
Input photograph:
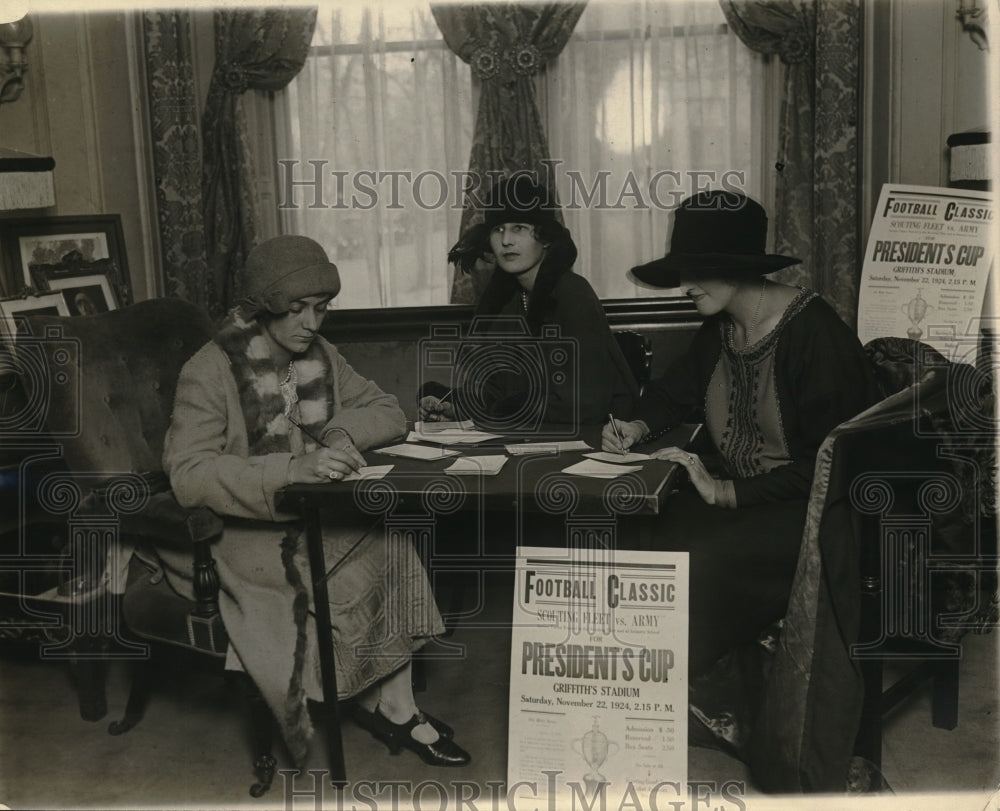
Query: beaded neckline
[[765, 342]]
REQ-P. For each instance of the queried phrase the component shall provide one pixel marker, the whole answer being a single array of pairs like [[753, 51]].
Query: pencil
[[618, 436]]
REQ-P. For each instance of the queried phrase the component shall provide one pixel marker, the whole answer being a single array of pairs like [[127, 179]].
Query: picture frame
[[47, 304], [83, 292], [65, 247]]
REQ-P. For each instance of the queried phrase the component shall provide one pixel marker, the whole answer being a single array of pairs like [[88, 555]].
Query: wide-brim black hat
[[520, 199], [715, 231]]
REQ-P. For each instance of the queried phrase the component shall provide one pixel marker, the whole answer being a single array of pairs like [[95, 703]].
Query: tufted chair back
[[108, 381]]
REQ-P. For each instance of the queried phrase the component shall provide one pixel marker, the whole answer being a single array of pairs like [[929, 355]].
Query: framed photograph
[[13, 311], [83, 293], [65, 247]]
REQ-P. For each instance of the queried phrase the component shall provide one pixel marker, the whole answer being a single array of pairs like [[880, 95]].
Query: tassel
[[298, 728]]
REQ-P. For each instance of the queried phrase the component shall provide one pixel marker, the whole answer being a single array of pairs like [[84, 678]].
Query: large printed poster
[[598, 676], [926, 266]]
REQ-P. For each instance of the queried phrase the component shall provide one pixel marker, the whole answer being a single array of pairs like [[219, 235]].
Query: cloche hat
[[716, 230], [285, 268]]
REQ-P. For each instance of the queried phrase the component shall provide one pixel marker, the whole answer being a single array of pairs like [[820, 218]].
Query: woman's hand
[[324, 464], [431, 409], [631, 432], [713, 491]]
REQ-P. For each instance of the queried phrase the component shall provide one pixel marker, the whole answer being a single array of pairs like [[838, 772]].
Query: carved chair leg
[[262, 728], [944, 699], [868, 743], [138, 697], [90, 676]]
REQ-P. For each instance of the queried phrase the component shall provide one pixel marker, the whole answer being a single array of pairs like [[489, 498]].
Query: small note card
[[477, 465], [429, 432], [619, 458], [368, 472], [416, 451], [599, 470]]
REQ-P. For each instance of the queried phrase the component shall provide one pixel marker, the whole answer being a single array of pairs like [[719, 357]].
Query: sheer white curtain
[[649, 102], [381, 114]]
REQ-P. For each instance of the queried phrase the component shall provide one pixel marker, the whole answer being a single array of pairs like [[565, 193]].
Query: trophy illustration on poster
[[915, 309], [594, 747]]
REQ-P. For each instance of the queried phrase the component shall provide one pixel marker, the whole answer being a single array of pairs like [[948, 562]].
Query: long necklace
[[289, 388], [756, 313], [524, 299]]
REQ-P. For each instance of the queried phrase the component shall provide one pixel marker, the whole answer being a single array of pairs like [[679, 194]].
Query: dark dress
[[553, 360], [766, 410]]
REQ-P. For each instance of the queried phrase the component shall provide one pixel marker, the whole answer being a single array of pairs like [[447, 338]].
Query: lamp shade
[[26, 181], [969, 166]]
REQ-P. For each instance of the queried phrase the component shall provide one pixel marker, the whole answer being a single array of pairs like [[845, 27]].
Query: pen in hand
[[618, 436], [306, 431]]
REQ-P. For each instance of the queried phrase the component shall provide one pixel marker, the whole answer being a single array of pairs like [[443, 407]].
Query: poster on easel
[[598, 678], [926, 266]]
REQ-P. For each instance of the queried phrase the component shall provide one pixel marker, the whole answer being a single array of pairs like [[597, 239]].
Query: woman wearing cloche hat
[[269, 403], [771, 371]]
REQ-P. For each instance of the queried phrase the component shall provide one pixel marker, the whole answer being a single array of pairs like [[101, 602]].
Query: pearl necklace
[[524, 299], [289, 389]]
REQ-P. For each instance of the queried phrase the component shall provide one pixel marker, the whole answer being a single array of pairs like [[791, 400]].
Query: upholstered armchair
[[898, 562], [105, 386]]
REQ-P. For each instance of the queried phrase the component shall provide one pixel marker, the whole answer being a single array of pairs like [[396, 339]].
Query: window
[[648, 102], [379, 117]]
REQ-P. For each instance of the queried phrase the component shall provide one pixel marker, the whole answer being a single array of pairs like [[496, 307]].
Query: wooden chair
[[923, 530], [107, 383], [638, 352]]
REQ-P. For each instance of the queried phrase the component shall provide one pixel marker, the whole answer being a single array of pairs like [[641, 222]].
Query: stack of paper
[[599, 470], [476, 465], [448, 433], [524, 448], [417, 451]]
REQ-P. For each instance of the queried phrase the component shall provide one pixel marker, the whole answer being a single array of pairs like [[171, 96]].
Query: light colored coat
[[207, 458]]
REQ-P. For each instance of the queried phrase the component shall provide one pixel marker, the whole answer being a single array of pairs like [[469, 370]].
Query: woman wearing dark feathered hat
[[771, 371], [533, 279]]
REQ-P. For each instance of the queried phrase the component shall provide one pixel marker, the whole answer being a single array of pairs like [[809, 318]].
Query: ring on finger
[[334, 474]]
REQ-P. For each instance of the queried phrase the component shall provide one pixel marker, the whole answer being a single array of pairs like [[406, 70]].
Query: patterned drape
[[816, 188], [506, 45], [254, 49], [173, 112]]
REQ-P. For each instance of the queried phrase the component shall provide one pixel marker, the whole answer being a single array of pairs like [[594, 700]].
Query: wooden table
[[529, 485]]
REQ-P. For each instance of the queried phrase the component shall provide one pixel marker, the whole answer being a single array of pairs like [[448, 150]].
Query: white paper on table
[[368, 472], [454, 436], [599, 470], [523, 448], [477, 465], [619, 458], [424, 427], [417, 451]]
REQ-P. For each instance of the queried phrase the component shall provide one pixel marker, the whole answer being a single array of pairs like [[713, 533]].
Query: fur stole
[[268, 432], [260, 394]]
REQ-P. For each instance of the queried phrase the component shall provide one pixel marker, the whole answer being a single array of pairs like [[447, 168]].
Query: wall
[[924, 80]]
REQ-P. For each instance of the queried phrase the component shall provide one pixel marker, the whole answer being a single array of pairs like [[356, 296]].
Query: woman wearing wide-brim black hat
[[582, 375], [771, 371]]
